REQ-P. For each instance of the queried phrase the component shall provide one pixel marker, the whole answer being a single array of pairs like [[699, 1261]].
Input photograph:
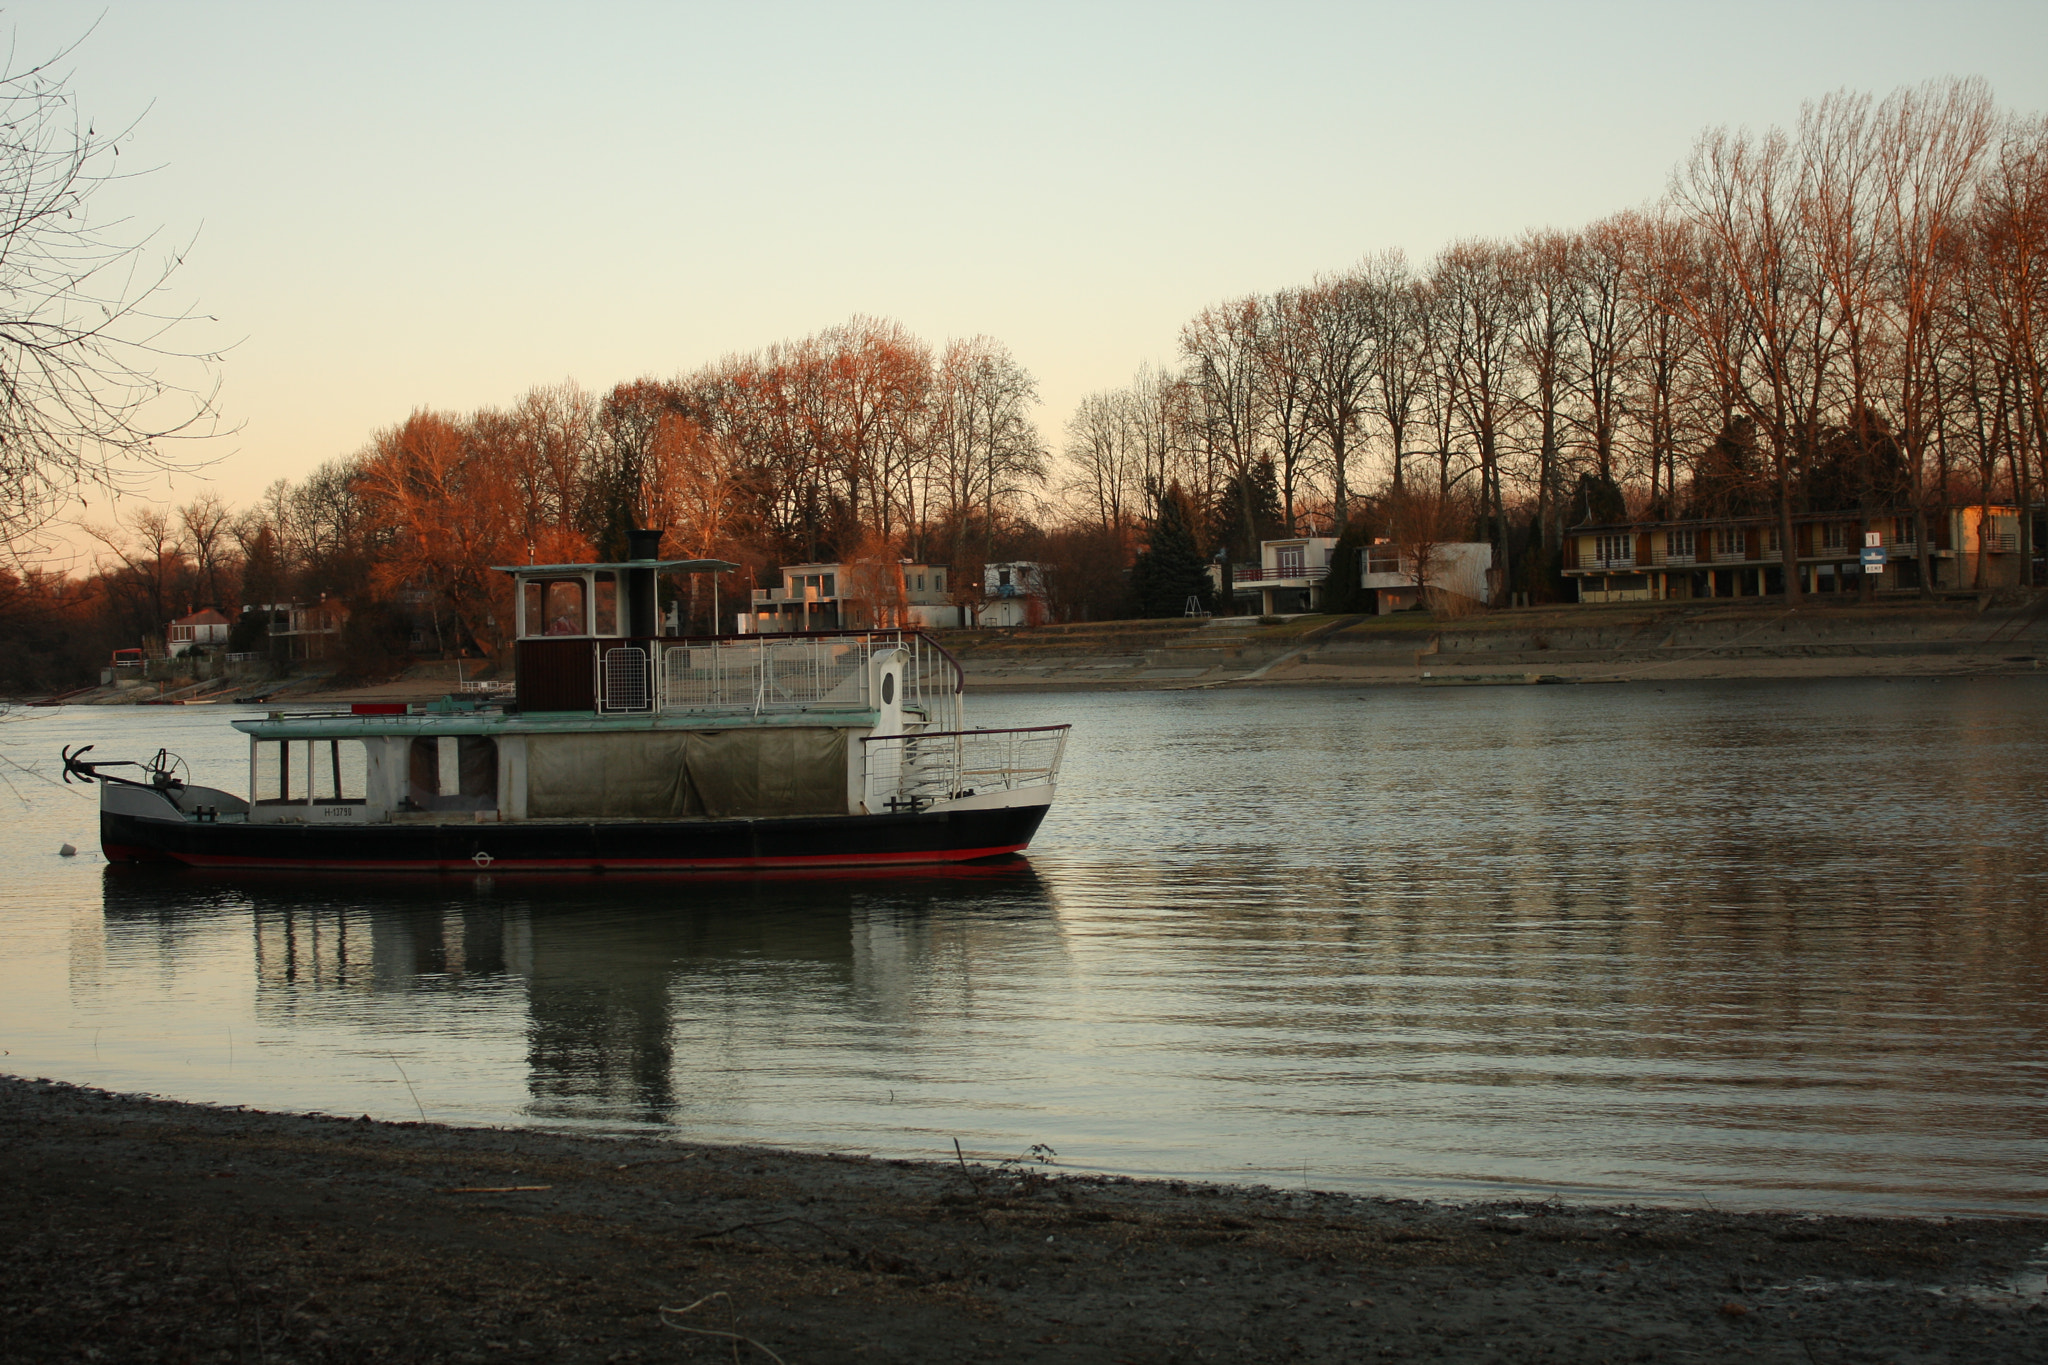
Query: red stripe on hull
[[496, 865], [134, 853]]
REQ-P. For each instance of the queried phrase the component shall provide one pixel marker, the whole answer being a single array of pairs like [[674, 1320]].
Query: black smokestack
[[643, 613]]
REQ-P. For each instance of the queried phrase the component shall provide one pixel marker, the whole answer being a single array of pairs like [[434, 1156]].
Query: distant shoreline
[[1956, 636]]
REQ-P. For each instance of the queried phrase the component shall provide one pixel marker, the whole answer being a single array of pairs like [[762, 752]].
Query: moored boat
[[621, 749]]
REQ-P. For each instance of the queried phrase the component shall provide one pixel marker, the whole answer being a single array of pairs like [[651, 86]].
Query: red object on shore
[[377, 708]]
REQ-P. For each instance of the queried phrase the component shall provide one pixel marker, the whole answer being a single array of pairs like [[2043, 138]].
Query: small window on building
[[920, 582], [939, 580], [1834, 535], [1774, 541], [1728, 543], [1680, 544], [607, 604], [1003, 577], [1619, 548]]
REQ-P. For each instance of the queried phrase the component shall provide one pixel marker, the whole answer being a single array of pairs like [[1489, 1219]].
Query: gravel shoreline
[[148, 1230]]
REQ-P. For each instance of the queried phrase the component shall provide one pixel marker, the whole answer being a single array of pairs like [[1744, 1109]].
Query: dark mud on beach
[[146, 1230]]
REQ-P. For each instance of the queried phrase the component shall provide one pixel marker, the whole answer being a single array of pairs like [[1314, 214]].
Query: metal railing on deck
[[757, 673], [1256, 574], [916, 769]]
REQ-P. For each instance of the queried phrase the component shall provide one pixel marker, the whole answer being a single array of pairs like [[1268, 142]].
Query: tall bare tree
[[96, 378]]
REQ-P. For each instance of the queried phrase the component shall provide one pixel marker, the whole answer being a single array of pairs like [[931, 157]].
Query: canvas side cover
[[658, 775]]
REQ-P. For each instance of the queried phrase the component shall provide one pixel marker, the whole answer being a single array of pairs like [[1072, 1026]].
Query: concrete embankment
[[1746, 638]]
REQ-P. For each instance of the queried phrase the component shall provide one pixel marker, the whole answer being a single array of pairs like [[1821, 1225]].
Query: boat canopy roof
[[658, 565]]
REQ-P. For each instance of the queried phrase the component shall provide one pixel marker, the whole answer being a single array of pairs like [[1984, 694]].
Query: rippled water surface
[[1764, 944]]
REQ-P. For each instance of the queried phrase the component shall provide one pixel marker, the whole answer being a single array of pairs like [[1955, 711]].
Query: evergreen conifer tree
[[1247, 512], [1342, 591], [1170, 569]]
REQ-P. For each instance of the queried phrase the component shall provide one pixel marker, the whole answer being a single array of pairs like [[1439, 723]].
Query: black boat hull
[[822, 842]]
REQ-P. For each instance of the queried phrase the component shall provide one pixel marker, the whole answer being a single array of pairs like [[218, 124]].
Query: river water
[[1753, 944]]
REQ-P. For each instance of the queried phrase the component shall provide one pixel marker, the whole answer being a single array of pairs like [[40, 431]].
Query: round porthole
[[888, 688]]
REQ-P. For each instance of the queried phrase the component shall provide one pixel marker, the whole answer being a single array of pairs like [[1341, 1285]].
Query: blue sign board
[[1873, 558]]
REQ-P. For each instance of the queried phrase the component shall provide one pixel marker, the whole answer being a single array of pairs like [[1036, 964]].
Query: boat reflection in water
[[646, 1002]]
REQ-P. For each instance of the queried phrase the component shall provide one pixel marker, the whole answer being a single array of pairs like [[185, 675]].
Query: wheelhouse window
[[607, 603], [555, 606]]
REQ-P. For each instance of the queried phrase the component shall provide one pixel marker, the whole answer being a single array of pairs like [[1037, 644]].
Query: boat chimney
[[643, 618]]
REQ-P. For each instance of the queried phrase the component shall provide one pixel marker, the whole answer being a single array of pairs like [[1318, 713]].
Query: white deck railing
[[778, 673], [916, 769]]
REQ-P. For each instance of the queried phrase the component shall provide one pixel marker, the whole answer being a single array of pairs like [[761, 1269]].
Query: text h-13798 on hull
[[623, 749]]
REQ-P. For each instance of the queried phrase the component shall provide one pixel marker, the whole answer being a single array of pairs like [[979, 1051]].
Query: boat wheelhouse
[[622, 748]]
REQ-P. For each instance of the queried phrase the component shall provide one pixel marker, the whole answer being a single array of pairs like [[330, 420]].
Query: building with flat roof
[[1647, 561], [834, 597]]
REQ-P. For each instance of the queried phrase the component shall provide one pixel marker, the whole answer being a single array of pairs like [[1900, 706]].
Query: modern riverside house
[[1650, 561], [843, 597], [1451, 571], [1289, 577], [1012, 594]]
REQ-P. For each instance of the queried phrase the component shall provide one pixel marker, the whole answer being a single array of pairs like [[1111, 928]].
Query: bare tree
[[1549, 344], [92, 378], [1401, 354], [1928, 143], [1483, 301], [1106, 455], [1222, 350], [147, 568], [206, 526], [1283, 375], [1660, 268], [2011, 255], [1337, 326], [1739, 191], [1607, 318], [1420, 522], [982, 447]]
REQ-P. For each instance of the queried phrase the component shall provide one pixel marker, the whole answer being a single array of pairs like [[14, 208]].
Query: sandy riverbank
[[143, 1230]]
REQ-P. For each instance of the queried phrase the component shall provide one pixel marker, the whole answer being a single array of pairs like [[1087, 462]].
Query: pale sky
[[440, 205]]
